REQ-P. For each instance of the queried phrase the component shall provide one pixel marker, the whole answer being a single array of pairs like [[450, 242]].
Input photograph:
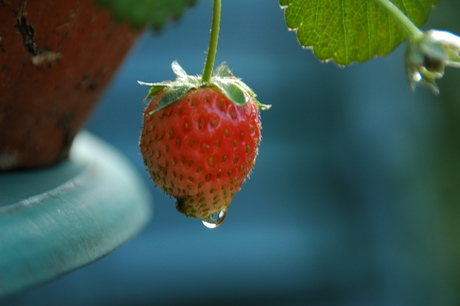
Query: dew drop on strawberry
[[215, 220]]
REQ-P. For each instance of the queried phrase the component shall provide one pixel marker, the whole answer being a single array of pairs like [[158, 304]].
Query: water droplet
[[215, 220], [417, 77]]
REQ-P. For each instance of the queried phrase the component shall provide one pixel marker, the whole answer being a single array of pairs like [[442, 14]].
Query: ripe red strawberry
[[200, 141]]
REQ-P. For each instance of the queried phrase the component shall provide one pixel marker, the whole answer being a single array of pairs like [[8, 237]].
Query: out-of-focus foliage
[[139, 13], [447, 148]]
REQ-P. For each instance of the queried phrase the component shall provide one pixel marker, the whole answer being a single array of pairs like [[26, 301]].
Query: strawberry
[[200, 140]]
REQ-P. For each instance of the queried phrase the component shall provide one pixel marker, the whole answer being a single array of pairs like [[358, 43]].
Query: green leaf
[[178, 70], [349, 31], [222, 71], [139, 13], [172, 95], [153, 91], [251, 93], [231, 90]]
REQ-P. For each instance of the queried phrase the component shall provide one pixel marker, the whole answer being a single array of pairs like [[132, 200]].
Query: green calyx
[[233, 88]]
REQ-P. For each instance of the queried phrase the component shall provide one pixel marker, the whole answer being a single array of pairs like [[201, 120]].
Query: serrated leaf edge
[[284, 5]]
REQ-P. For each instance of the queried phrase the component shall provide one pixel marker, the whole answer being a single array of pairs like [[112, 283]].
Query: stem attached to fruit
[[212, 49], [411, 29]]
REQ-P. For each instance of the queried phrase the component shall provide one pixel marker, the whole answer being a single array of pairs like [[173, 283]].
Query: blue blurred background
[[346, 205]]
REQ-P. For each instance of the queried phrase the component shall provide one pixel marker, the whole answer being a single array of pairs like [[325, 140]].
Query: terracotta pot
[[56, 58]]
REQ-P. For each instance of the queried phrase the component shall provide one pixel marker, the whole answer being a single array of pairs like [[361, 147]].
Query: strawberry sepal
[[233, 88]]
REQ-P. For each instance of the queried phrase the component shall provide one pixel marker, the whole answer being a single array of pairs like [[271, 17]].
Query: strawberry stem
[[213, 40]]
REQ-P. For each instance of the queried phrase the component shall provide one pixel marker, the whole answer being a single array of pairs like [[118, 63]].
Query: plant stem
[[213, 40], [411, 29]]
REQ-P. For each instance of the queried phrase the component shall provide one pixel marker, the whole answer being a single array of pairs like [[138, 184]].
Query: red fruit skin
[[200, 149]]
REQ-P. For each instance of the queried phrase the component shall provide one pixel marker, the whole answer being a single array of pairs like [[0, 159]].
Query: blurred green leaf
[[349, 31], [139, 13]]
